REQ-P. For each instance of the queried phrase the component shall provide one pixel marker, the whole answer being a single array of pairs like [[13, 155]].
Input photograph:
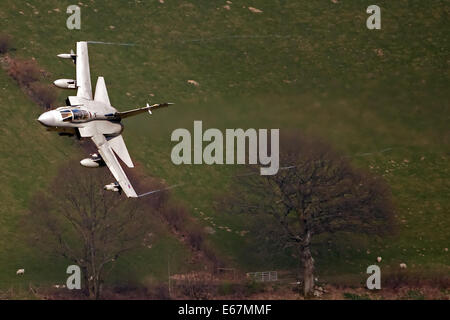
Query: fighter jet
[[94, 117]]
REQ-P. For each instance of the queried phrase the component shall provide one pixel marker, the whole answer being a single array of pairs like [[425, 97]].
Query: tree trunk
[[85, 286], [97, 286], [96, 290], [308, 266]]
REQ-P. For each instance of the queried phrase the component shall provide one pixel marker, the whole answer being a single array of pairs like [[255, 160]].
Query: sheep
[[20, 271], [379, 259], [402, 265]]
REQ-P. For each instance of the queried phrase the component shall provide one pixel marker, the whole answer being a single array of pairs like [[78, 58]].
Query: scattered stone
[[209, 230], [193, 82], [379, 52], [254, 10], [318, 291]]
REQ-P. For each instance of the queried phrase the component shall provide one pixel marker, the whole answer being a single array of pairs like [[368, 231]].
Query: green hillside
[[380, 97]]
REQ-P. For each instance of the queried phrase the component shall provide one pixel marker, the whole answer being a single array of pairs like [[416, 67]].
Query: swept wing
[[106, 152]]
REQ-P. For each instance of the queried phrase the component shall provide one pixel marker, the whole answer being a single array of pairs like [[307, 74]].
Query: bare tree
[[77, 219], [318, 191]]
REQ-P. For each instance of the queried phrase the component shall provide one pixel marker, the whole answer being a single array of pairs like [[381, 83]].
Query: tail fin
[[101, 94]]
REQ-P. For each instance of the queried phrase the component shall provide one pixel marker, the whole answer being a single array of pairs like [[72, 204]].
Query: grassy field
[[380, 97]]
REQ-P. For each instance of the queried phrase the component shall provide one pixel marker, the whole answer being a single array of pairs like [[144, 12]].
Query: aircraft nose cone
[[46, 119]]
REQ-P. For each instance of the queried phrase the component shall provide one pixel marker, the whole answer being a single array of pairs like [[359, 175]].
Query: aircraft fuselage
[[67, 119]]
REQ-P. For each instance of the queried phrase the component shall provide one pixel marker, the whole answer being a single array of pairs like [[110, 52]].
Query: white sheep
[[402, 265], [379, 259], [20, 271]]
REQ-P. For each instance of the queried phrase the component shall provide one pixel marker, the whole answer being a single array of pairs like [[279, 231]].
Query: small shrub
[[252, 287], [43, 94], [212, 257], [125, 291], [155, 289], [226, 288], [5, 43], [176, 217], [24, 71], [354, 296], [144, 183], [159, 291], [195, 237], [407, 278], [414, 295], [197, 288]]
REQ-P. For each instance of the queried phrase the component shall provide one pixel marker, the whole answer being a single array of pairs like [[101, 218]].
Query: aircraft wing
[[83, 72], [106, 152]]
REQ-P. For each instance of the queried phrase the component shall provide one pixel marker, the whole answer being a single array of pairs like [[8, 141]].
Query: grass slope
[[381, 97]]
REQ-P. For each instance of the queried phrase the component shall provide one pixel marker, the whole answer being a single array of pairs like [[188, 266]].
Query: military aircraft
[[94, 117]]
